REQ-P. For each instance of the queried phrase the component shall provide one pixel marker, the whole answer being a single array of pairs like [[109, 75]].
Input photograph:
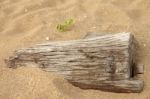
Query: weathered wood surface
[[139, 69], [120, 86], [103, 62]]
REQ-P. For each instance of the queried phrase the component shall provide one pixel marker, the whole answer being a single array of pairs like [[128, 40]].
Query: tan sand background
[[27, 22]]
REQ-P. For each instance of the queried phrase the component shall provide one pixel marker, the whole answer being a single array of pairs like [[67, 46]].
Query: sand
[[24, 23]]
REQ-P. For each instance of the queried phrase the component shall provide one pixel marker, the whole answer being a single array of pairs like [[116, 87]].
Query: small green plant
[[66, 25]]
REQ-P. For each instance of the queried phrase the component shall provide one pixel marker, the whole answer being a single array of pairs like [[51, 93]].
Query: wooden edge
[[92, 34], [139, 69], [120, 86], [95, 34]]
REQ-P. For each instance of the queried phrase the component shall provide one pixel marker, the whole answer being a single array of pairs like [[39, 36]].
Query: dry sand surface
[[27, 22]]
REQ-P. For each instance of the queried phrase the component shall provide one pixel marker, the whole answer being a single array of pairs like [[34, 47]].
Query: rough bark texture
[[103, 62]]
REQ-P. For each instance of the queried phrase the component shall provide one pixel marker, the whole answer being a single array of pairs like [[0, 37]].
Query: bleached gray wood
[[119, 86], [99, 62], [138, 68]]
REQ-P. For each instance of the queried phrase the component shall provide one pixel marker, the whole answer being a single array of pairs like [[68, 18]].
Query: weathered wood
[[119, 86], [139, 69], [92, 35], [104, 62]]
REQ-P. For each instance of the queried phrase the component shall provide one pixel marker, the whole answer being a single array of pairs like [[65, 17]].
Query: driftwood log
[[104, 62]]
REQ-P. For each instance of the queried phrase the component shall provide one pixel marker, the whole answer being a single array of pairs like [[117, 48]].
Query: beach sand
[[24, 23]]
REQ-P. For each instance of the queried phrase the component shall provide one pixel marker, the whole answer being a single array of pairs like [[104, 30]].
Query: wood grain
[[103, 62]]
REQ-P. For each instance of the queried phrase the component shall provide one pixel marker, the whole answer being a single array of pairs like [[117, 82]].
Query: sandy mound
[[27, 22]]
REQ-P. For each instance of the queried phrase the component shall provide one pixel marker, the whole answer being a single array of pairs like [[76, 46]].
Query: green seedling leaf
[[66, 25]]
